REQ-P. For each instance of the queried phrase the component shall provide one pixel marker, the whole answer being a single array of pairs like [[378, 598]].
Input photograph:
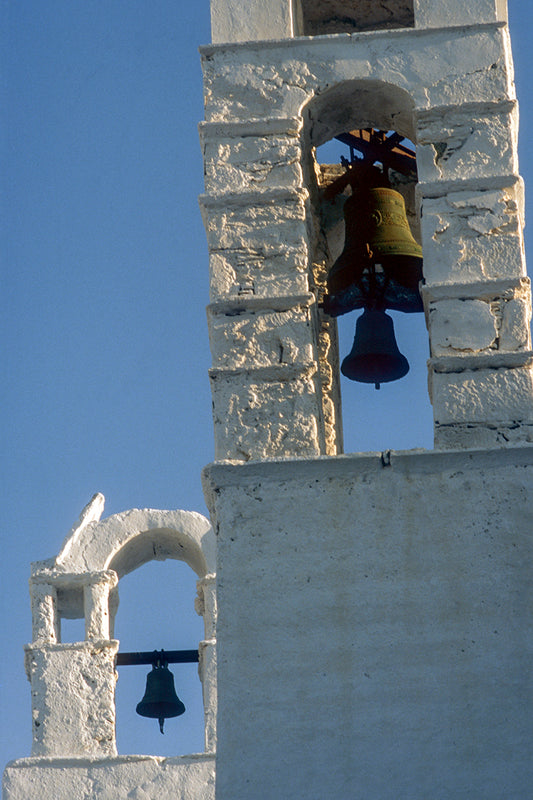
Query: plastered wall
[[374, 626]]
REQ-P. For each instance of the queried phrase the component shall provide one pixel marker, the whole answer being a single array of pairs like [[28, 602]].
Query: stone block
[[515, 327], [252, 163], [73, 698], [467, 144], [437, 13], [461, 325], [263, 272], [234, 21], [483, 396], [473, 235], [279, 80], [251, 223], [266, 413], [134, 777], [260, 338]]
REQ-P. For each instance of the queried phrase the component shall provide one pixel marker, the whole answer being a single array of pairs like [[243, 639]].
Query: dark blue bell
[[160, 700], [374, 357]]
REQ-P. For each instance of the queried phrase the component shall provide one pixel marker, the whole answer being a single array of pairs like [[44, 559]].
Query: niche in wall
[[349, 16]]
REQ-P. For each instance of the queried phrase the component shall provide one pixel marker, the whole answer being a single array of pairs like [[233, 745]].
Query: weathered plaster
[[374, 636], [73, 684]]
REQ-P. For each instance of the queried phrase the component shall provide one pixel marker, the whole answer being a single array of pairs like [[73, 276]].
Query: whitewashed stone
[[469, 235], [516, 324], [73, 694], [461, 325], [260, 338], [208, 674], [250, 161], [256, 223], [437, 68], [234, 21], [436, 13], [266, 413], [45, 620], [135, 777], [384, 609], [464, 144], [483, 396], [265, 272]]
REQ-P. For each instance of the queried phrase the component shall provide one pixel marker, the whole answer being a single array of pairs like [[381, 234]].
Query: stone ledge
[[232, 473], [207, 51], [269, 126], [444, 187], [476, 290], [278, 373], [495, 360], [240, 304], [178, 778], [247, 198]]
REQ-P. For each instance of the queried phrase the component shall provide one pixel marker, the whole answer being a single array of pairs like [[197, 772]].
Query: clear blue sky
[[105, 339]]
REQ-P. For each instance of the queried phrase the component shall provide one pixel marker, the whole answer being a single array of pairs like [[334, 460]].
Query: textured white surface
[[73, 685], [132, 777], [374, 632]]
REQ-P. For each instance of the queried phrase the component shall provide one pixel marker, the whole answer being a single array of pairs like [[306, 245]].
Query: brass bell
[[375, 220], [160, 700], [374, 357]]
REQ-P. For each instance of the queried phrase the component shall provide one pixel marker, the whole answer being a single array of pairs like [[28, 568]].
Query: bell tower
[[373, 639]]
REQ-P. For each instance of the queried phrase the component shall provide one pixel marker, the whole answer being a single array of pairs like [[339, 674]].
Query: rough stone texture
[[131, 777], [471, 235], [263, 338], [436, 13], [462, 325], [251, 157], [73, 691], [467, 143], [262, 413], [435, 67], [482, 395], [374, 636], [233, 21], [267, 106], [498, 321], [73, 685]]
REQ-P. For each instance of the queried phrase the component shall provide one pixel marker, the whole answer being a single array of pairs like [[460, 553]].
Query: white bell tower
[[374, 639], [367, 616]]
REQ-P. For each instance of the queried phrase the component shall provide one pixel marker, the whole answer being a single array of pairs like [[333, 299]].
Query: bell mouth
[[375, 368]]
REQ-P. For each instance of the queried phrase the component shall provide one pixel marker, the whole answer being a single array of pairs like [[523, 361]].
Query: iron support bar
[[153, 656]]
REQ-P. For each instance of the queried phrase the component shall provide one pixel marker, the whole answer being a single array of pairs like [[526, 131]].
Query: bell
[[160, 700], [375, 220], [374, 357]]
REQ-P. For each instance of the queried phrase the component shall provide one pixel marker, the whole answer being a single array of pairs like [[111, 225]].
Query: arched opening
[[157, 611], [350, 16], [398, 416]]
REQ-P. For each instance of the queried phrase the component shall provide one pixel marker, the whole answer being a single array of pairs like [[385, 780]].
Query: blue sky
[[105, 338]]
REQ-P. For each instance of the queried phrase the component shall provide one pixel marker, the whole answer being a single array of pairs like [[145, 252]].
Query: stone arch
[[358, 103], [81, 582], [339, 108], [127, 540]]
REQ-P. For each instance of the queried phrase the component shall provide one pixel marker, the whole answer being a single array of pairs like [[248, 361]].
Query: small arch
[[350, 107], [359, 103], [129, 539]]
